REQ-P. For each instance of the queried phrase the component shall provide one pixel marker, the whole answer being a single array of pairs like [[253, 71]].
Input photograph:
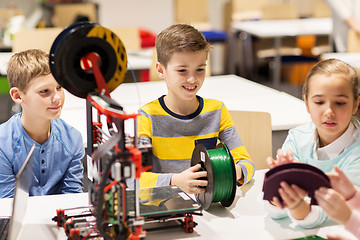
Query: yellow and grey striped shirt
[[174, 138]]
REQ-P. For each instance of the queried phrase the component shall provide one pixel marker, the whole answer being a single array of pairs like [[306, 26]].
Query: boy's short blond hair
[[179, 38], [25, 66]]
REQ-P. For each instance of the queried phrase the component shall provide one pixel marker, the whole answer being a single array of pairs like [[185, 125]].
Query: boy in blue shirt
[[58, 147]]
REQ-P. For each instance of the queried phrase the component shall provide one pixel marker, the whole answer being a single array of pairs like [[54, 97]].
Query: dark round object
[[201, 155], [73, 44], [305, 176]]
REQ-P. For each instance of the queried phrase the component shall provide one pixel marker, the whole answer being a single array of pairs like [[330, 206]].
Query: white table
[[353, 58], [277, 29], [140, 59], [236, 92], [4, 59], [246, 218], [40, 210]]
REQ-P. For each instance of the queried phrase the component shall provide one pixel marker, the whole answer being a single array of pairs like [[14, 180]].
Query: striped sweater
[[174, 138]]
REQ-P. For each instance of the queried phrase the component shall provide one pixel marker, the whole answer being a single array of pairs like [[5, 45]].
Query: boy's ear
[[16, 95], [160, 70]]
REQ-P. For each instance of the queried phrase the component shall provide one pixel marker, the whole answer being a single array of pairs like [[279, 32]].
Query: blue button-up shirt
[[57, 163]]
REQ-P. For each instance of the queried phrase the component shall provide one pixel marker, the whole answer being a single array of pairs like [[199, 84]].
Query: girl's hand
[[341, 183], [291, 195], [188, 180], [336, 237], [282, 158], [293, 199], [333, 204]]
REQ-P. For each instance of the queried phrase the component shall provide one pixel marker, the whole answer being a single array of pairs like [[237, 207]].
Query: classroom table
[[140, 59], [351, 58], [4, 59], [236, 92], [4, 47], [275, 29], [246, 218]]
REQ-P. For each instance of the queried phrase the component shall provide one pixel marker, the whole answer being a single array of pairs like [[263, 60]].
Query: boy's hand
[[341, 183], [188, 180], [333, 204], [238, 170], [281, 158]]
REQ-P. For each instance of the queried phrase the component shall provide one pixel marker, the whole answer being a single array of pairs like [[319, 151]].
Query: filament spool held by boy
[[221, 175], [71, 51]]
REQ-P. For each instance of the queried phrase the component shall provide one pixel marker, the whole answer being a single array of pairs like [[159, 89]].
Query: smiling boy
[[58, 147], [176, 122]]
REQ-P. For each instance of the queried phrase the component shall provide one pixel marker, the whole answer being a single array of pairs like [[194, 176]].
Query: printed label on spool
[[202, 156]]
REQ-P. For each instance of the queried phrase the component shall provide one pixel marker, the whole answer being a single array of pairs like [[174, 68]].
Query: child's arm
[[298, 207], [72, 180], [293, 199], [244, 167], [354, 202], [7, 179], [353, 24], [335, 236], [354, 223]]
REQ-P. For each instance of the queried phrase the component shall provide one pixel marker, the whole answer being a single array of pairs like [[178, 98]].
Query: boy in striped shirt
[[176, 122]]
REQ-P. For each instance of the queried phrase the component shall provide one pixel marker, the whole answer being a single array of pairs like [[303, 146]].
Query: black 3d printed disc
[[73, 44]]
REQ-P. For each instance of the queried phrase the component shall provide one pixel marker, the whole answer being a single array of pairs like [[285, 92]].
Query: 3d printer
[[90, 61]]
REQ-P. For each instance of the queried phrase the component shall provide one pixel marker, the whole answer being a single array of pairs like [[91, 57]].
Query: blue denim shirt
[[57, 163]]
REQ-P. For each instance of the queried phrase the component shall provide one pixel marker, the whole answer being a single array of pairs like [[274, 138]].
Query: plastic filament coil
[[221, 175], [77, 41]]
